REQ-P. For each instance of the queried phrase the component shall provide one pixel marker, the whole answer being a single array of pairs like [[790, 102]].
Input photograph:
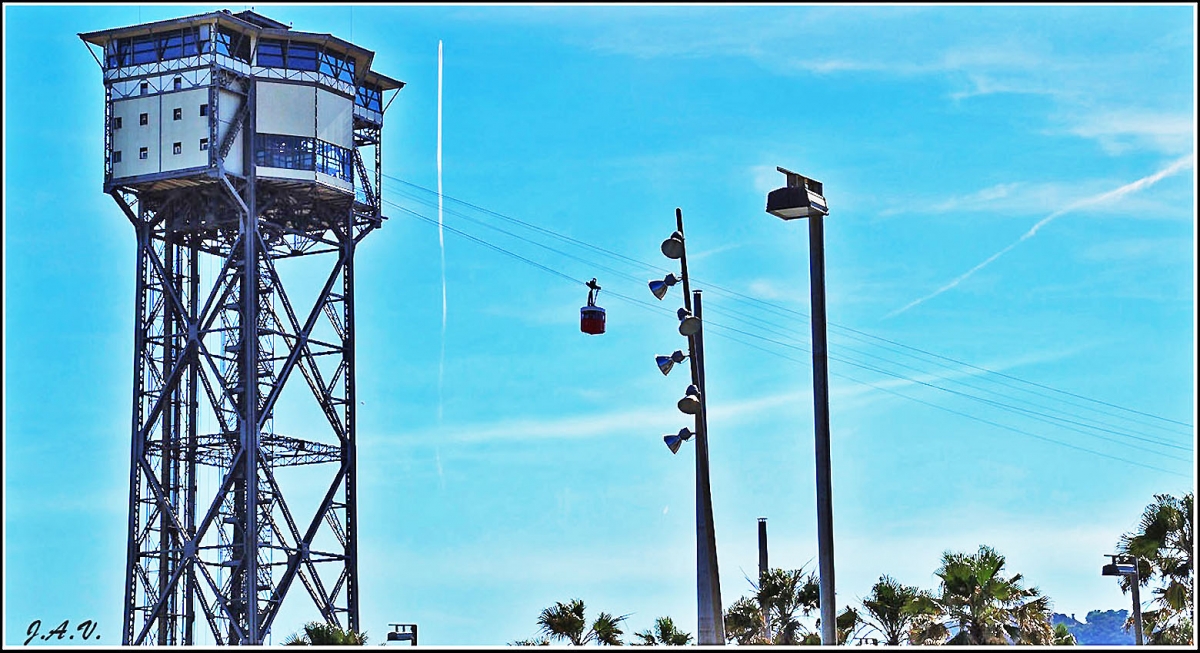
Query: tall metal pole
[[710, 626], [762, 572], [1137, 603], [762, 548], [246, 593], [687, 289], [816, 249]]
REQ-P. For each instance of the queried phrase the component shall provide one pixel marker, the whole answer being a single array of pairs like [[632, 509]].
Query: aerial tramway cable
[[1028, 413]]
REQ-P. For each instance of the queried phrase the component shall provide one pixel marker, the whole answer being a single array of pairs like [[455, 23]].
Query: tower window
[[117, 122], [177, 148], [178, 113], [203, 144], [144, 119], [203, 109], [145, 88], [144, 153], [178, 83], [116, 157]]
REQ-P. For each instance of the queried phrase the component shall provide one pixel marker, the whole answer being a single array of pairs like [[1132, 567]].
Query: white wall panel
[[187, 131], [285, 173], [288, 109], [335, 119], [335, 182], [132, 136]]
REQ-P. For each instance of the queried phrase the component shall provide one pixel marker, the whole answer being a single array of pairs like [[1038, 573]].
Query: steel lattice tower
[[252, 145]]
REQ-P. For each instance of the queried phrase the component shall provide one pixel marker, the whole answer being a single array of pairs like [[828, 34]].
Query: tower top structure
[[232, 143], [165, 79]]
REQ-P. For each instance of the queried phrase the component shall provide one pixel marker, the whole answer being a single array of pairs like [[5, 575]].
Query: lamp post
[[1126, 565], [710, 615], [804, 198], [403, 633]]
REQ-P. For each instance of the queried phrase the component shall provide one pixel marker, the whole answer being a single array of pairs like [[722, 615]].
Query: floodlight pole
[[1135, 582], [820, 356], [710, 624], [1137, 603], [804, 198]]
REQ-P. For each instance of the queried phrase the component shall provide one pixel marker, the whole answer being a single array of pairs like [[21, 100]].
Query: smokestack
[[762, 548]]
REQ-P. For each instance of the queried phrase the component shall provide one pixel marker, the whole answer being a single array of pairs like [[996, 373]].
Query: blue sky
[[527, 466]]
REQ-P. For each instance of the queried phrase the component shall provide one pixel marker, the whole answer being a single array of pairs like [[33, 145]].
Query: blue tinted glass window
[[172, 45], [302, 56], [191, 43], [369, 97], [145, 49], [270, 53], [233, 44], [299, 153]]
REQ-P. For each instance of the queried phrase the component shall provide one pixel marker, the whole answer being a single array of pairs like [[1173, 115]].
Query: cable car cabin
[[591, 317], [591, 320]]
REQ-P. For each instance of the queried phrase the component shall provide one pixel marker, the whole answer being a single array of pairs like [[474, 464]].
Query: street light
[[804, 198], [665, 363], [672, 247], [689, 325], [660, 288], [1126, 565], [710, 626], [690, 404], [675, 440], [403, 633]]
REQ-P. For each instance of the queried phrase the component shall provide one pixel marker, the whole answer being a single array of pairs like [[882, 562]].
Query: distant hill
[[1101, 628]]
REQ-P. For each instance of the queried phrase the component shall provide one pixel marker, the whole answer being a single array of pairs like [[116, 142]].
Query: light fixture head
[[660, 288], [801, 198], [672, 247], [675, 440], [1117, 570], [689, 325], [690, 404], [665, 363]]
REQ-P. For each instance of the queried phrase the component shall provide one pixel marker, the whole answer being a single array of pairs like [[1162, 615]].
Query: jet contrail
[[1133, 187], [441, 236], [442, 247]]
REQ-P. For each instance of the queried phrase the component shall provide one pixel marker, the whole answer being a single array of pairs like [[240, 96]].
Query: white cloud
[[1119, 131], [1092, 90], [1177, 166]]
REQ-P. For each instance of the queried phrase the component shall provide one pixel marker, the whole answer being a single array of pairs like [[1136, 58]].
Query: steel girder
[[212, 537]]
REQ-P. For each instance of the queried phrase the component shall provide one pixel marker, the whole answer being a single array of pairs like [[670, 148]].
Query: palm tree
[[565, 621], [1162, 545], [847, 624], [928, 627], [772, 614], [664, 633], [1063, 636], [1031, 622], [890, 609], [536, 641], [318, 633], [744, 622], [987, 606]]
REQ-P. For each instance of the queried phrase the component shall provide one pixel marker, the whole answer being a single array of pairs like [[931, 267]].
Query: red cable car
[[591, 317]]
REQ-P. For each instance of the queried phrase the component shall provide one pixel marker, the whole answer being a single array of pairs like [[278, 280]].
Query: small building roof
[[261, 20], [251, 21]]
